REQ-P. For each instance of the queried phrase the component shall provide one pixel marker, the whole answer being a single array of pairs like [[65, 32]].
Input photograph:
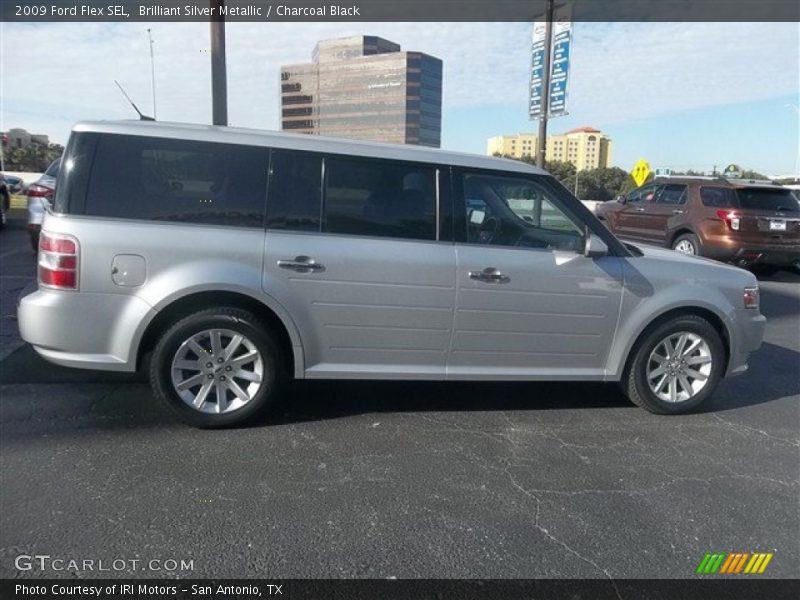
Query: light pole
[[219, 77], [152, 71], [548, 44]]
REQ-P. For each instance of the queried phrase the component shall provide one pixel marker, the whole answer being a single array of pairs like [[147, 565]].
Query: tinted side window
[[378, 198], [672, 194], [136, 177], [73, 179], [642, 194], [717, 197], [295, 192]]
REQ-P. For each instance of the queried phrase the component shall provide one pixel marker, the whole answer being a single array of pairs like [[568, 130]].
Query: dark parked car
[[5, 199], [754, 224]]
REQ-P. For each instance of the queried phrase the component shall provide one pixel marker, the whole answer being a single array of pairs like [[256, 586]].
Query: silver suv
[[227, 261]]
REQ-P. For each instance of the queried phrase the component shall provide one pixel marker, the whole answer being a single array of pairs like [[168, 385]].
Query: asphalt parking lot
[[400, 479]]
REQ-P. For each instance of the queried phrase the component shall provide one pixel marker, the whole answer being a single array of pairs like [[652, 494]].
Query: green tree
[[33, 157]]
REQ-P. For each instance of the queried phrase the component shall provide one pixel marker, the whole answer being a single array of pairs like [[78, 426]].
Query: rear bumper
[[780, 256], [747, 334], [84, 330]]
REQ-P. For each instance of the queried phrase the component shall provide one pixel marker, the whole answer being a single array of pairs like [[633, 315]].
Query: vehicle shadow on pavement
[[772, 375], [778, 303], [24, 365], [128, 403]]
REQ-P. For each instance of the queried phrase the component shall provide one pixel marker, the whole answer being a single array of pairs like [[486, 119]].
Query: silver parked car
[[40, 195], [228, 260]]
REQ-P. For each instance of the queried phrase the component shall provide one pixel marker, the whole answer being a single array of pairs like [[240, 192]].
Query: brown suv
[[750, 223]]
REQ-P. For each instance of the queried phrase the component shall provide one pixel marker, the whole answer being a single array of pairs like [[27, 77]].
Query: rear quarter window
[[718, 197], [149, 178]]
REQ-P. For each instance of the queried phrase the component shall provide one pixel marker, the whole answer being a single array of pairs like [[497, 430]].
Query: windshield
[[52, 170], [767, 199]]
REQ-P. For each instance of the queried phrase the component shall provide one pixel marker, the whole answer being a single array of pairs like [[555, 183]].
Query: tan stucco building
[[584, 147]]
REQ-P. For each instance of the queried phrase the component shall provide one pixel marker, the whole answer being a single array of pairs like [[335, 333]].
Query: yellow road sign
[[640, 172]]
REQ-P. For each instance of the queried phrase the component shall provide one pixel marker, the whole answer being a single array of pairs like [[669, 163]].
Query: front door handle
[[489, 275], [640, 209], [302, 264]]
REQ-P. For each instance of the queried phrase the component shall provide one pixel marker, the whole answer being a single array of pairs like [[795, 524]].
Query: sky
[[680, 95]]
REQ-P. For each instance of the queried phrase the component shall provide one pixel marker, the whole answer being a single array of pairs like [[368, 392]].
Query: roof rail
[[675, 176]]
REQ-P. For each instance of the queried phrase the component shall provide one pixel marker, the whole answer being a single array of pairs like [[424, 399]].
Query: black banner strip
[[733, 588], [396, 10]]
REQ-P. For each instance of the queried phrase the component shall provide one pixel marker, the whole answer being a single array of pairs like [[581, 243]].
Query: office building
[[364, 87]]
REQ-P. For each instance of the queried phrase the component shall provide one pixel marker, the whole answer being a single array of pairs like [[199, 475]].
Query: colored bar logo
[[734, 563]]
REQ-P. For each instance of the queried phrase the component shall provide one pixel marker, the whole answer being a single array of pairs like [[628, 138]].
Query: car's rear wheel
[[217, 368], [687, 244], [675, 366]]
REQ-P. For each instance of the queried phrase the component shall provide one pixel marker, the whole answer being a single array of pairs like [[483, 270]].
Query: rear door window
[[379, 198], [295, 192], [137, 177]]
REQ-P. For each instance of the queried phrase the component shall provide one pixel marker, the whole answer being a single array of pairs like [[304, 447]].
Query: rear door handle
[[302, 264], [677, 211], [489, 275]]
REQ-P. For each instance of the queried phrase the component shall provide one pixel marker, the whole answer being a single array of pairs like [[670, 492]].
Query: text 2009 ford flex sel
[[235, 259]]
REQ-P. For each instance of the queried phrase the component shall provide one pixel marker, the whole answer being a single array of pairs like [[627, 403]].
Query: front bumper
[[747, 334], [84, 330]]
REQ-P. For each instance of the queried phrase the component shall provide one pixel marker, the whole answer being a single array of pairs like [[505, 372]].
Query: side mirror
[[595, 247], [622, 199]]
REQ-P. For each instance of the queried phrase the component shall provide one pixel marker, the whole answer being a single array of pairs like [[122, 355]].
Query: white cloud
[[54, 74]]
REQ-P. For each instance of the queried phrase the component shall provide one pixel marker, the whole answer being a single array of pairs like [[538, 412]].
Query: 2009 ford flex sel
[[235, 259]]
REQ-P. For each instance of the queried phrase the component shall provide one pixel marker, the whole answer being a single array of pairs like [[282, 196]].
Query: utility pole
[[548, 46], [219, 77], [152, 71]]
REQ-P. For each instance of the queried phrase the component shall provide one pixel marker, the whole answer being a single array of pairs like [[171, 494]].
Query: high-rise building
[[584, 147], [364, 87]]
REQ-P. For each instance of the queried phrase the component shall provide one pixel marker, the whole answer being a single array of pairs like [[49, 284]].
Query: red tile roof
[[584, 130]]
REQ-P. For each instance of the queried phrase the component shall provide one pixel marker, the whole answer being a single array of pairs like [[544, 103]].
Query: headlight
[[751, 297]]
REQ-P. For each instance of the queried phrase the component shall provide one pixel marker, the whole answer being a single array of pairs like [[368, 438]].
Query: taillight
[[58, 261], [40, 191], [731, 218]]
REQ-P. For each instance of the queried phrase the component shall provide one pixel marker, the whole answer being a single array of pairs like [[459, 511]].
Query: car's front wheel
[[675, 366], [217, 368]]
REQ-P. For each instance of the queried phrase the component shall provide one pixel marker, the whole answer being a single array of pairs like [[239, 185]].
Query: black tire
[[690, 239], [2, 218], [228, 318], [634, 382], [34, 237]]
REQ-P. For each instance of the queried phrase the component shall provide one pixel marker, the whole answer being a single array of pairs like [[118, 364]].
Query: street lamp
[[152, 71]]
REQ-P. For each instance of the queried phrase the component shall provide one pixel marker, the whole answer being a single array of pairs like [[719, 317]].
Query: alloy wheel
[[685, 246], [217, 371], [679, 367]]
